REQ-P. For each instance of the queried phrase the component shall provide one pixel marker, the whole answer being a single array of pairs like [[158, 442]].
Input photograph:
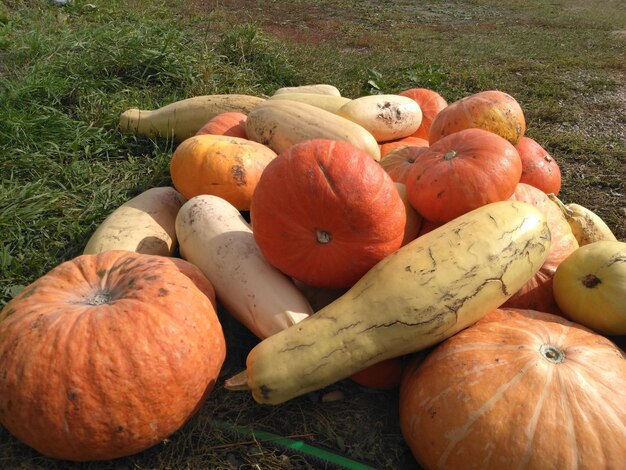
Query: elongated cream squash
[[421, 294], [279, 124], [215, 237], [184, 118], [144, 224], [330, 103], [317, 88]]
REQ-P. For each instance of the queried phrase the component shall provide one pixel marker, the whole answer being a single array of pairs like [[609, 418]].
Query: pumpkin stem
[[552, 353], [323, 236], [590, 281], [450, 155], [99, 299]]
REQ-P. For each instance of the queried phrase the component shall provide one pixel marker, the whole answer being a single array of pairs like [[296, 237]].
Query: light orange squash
[[219, 165]]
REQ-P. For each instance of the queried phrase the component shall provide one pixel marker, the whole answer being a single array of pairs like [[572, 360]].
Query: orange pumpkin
[[223, 166], [384, 375], [491, 110], [230, 123], [537, 293], [431, 104], [461, 172], [387, 147], [539, 169], [398, 162], [324, 213], [107, 355], [519, 389]]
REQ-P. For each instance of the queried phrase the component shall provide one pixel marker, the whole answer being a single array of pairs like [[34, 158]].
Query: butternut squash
[[145, 224], [416, 297], [586, 225], [184, 118], [279, 124], [330, 103], [215, 237]]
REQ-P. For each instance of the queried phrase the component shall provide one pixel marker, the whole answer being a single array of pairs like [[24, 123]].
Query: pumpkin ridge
[[456, 435]]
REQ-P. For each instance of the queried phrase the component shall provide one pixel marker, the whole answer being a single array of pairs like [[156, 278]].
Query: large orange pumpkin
[[219, 165], [107, 355], [430, 102], [491, 110], [539, 169], [519, 389], [324, 213], [537, 293], [461, 172]]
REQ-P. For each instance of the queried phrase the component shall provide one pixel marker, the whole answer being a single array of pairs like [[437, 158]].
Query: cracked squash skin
[[418, 296]]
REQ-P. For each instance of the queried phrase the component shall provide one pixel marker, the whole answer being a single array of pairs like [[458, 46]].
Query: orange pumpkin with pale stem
[[399, 162], [324, 213], [431, 104], [387, 147], [537, 293], [539, 169], [462, 172], [230, 123], [219, 165], [107, 355], [519, 389], [491, 110]]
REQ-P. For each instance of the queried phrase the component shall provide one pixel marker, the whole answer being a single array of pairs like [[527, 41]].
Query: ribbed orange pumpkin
[[230, 123], [387, 147], [537, 293], [431, 104], [491, 110], [219, 165], [107, 355], [461, 172], [539, 169], [519, 389], [324, 213]]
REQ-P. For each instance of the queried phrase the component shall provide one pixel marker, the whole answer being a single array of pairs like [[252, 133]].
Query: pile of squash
[[347, 235]]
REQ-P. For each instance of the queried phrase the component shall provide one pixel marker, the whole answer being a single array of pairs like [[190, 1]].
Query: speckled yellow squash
[[421, 294]]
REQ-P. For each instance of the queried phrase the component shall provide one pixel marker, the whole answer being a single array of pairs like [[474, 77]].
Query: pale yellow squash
[[317, 88], [182, 119], [144, 224], [215, 237], [330, 103], [586, 225], [423, 293], [279, 124], [386, 117], [590, 286]]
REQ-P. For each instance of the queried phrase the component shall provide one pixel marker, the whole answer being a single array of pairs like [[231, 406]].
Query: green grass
[[67, 73]]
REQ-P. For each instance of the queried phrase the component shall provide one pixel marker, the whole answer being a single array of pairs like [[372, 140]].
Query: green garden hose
[[329, 459]]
